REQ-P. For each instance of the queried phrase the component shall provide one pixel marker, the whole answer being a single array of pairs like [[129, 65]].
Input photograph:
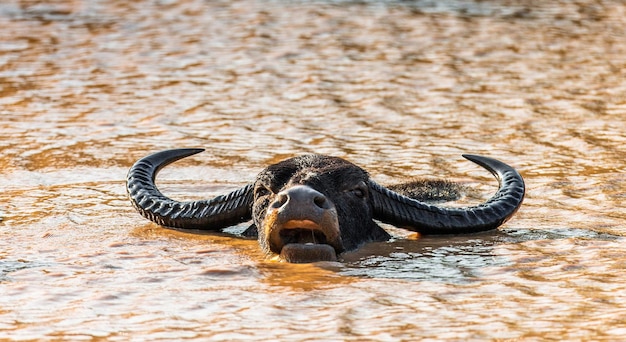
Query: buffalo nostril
[[320, 201]]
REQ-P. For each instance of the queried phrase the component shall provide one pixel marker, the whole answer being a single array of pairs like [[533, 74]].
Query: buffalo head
[[314, 207]]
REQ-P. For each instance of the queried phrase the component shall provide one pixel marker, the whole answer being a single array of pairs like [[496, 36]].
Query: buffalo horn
[[393, 208], [213, 214]]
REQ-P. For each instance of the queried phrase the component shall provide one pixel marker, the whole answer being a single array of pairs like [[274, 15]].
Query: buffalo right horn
[[393, 208], [219, 212]]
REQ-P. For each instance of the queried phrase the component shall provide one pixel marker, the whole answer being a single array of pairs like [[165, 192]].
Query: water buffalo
[[314, 207]]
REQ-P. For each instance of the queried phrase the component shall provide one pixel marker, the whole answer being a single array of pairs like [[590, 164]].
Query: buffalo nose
[[301, 196]]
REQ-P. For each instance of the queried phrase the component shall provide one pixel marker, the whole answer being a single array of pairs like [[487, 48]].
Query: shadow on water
[[448, 259], [455, 259], [9, 266]]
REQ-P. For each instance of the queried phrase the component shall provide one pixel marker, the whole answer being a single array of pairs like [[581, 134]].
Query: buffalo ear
[[430, 190], [251, 232]]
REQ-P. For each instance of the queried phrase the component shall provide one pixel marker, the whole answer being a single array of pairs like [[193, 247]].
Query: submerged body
[[314, 207]]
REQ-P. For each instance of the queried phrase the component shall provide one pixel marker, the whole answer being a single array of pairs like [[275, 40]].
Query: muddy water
[[401, 88]]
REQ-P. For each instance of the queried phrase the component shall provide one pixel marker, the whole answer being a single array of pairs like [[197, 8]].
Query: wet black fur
[[343, 183]]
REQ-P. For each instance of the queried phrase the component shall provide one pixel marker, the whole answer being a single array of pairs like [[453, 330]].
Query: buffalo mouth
[[305, 241]]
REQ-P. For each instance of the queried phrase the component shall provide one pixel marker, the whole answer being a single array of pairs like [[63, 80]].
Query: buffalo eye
[[261, 191], [360, 190], [358, 193]]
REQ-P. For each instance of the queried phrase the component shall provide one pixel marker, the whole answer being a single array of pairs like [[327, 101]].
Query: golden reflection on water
[[401, 88]]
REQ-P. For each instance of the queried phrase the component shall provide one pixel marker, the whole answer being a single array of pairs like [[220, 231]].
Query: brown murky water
[[401, 88]]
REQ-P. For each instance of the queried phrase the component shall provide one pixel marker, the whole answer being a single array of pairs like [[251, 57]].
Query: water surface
[[400, 88]]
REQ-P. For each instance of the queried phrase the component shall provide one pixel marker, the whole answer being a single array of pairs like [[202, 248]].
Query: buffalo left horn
[[396, 209], [219, 212]]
